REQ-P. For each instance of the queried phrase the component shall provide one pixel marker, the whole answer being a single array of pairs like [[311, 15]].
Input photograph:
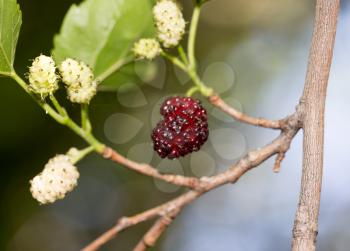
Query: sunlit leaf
[[10, 24], [102, 32]]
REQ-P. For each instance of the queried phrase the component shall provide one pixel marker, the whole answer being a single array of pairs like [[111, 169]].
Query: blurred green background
[[254, 53]]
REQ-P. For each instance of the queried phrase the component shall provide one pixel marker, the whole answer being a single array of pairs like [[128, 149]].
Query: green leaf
[[10, 24], [102, 32]]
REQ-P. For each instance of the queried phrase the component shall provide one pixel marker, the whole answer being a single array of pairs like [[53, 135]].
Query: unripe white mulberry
[[42, 76], [82, 94], [169, 22], [147, 48], [78, 77], [58, 178], [75, 72]]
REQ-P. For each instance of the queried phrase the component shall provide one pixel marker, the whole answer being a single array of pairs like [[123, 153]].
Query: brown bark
[[148, 170], [154, 233], [218, 102], [313, 106]]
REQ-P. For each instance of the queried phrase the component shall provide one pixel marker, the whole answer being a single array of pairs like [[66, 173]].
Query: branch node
[[107, 153], [279, 159], [125, 221]]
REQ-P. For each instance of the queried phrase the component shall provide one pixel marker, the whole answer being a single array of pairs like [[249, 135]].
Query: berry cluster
[[183, 130], [78, 77], [170, 26]]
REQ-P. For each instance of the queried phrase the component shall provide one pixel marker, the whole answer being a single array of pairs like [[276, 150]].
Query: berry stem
[[87, 136], [62, 118], [204, 90], [174, 60], [192, 91], [192, 37], [85, 120], [187, 63], [58, 107], [182, 54], [82, 154], [46, 107], [191, 72], [114, 67]]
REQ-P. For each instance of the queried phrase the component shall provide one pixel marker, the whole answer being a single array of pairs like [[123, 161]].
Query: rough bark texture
[[313, 106]]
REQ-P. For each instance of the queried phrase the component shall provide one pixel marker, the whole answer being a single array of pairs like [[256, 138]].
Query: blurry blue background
[[254, 53]]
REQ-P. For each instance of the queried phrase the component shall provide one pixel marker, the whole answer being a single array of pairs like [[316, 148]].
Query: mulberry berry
[[58, 178], [42, 76], [79, 80], [183, 130], [147, 48], [169, 22]]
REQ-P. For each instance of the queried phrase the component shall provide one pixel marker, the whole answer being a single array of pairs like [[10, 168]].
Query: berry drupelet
[[183, 130]]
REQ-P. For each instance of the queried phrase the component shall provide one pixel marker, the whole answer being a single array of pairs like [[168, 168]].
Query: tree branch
[[313, 106], [170, 209], [154, 233], [218, 102], [190, 182]]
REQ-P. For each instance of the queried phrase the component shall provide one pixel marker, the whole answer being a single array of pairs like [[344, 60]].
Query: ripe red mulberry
[[183, 130]]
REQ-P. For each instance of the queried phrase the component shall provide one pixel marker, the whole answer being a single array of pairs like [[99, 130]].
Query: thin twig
[[218, 102], [146, 169], [126, 222], [114, 67], [155, 232]]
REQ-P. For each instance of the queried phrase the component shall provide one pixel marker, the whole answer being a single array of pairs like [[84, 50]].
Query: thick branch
[[218, 102], [248, 162], [313, 105]]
